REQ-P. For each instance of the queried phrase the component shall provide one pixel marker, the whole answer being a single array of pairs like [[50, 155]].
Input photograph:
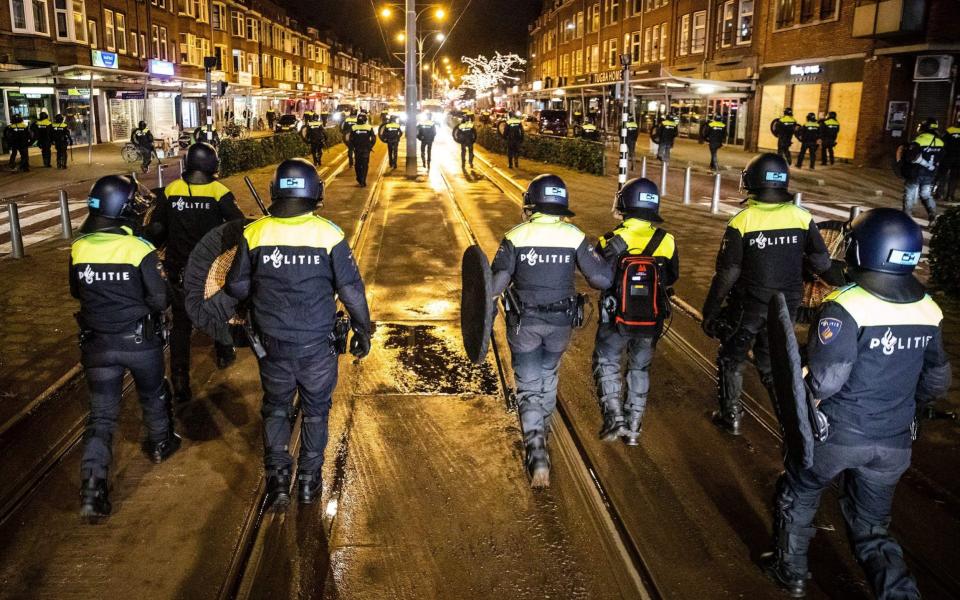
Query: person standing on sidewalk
[[390, 134], [632, 323], [950, 166], [466, 136], [62, 140], [122, 289], [314, 135], [362, 140], [187, 209], [293, 265], [349, 120], [714, 132], [783, 129], [809, 136], [765, 250], [664, 135], [535, 266], [921, 161], [426, 133], [874, 357], [829, 131], [42, 132], [143, 140], [19, 139], [513, 133]]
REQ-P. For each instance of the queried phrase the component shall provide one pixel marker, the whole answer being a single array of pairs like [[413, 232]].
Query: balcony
[[889, 18]]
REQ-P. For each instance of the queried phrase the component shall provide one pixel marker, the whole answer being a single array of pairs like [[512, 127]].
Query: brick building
[[882, 66]]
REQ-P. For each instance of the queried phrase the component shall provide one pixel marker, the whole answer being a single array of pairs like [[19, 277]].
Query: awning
[[662, 83], [78, 76]]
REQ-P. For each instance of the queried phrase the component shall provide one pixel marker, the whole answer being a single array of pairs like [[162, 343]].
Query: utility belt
[[338, 338], [515, 310], [150, 328]]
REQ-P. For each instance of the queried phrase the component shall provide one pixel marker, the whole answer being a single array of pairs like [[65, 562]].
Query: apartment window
[[134, 44], [683, 43], [265, 59], [160, 43], [238, 61], [565, 65], [698, 41], [636, 44], [29, 16], [121, 23], [201, 10], [786, 12], [143, 45], [647, 44], [726, 24], [253, 65], [578, 62], [277, 67], [745, 22], [69, 19], [238, 24], [663, 40], [595, 17], [612, 54], [185, 7], [655, 4], [580, 24], [92, 32], [60, 19], [219, 16], [108, 30], [611, 11], [253, 29], [594, 58]]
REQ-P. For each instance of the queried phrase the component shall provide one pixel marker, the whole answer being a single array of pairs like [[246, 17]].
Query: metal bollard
[[855, 212], [715, 199], [686, 185], [798, 199], [663, 178], [66, 227], [16, 236], [643, 167], [159, 174]]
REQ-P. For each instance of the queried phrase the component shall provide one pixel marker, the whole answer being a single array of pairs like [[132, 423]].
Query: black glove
[[835, 274], [709, 326], [360, 344]]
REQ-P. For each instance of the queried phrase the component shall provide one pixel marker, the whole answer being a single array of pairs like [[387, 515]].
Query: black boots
[[94, 500], [795, 584], [612, 420], [729, 386], [160, 451], [538, 463], [278, 490], [226, 356], [181, 386], [631, 431], [310, 487]]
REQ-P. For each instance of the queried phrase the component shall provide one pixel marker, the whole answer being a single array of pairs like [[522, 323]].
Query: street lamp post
[[410, 97]]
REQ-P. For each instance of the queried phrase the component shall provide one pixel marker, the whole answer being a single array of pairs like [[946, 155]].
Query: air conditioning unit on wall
[[933, 66]]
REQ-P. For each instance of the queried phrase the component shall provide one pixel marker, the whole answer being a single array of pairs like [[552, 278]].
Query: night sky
[[487, 25]]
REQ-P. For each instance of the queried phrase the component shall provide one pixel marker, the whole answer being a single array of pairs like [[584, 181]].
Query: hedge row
[[242, 155], [568, 152], [944, 257]]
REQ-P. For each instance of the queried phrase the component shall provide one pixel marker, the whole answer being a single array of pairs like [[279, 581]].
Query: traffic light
[[223, 88]]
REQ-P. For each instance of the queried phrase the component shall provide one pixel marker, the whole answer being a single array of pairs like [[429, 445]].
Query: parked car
[[553, 122], [286, 124]]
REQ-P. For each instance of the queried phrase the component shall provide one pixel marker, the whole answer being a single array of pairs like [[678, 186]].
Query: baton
[[256, 196]]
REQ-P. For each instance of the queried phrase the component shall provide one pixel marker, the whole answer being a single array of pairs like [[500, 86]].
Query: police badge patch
[[827, 329]]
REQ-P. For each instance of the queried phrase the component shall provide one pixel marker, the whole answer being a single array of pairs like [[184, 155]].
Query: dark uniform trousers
[[608, 350], [513, 152], [361, 165], [536, 348], [181, 327], [105, 359], [316, 149], [426, 152], [314, 376], [393, 152], [466, 154]]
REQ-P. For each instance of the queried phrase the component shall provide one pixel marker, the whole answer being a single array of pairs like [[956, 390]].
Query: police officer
[[764, 251], [426, 133], [950, 165], [294, 258], [466, 136], [714, 132], [390, 134], [200, 134], [633, 131], [362, 140], [809, 136], [61, 140], [42, 131], [638, 204], [122, 291], [590, 132], [186, 211], [143, 139], [874, 358], [513, 133], [346, 127], [783, 129], [664, 135], [536, 264], [19, 139], [314, 134], [922, 159], [829, 131]]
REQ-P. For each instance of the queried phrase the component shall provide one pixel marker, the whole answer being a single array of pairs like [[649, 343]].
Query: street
[[425, 493]]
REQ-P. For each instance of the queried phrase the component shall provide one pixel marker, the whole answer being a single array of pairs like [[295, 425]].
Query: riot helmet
[[296, 189], [885, 245], [788, 112], [142, 125], [718, 117], [58, 119], [394, 119], [811, 117], [766, 177], [547, 194], [109, 203], [832, 115], [362, 119], [44, 115], [17, 119], [201, 164], [639, 198], [929, 125]]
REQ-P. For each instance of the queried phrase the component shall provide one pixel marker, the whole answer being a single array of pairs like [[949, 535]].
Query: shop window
[[745, 22], [219, 16], [726, 24], [121, 23], [92, 33], [683, 45], [108, 30], [698, 41]]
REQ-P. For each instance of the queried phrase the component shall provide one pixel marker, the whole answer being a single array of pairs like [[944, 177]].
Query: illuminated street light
[[440, 14], [426, 67], [446, 60], [440, 37], [401, 37], [386, 12]]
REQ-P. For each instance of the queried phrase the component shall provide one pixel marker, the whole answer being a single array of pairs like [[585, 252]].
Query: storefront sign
[[836, 71], [299, 86], [104, 59], [607, 76], [161, 67], [129, 95], [805, 69], [36, 91], [284, 86], [244, 78]]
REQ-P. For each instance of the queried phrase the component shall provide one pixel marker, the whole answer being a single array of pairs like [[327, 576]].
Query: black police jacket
[[142, 138], [951, 146], [18, 135], [184, 213], [922, 157], [118, 279], [829, 130], [465, 134], [764, 250], [314, 134], [784, 128], [42, 131], [714, 133], [871, 362], [636, 235], [809, 133], [363, 138], [426, 131], [666, 132], [293, 269], [513, 130], [541, 256], [61, 135], [390, 133]]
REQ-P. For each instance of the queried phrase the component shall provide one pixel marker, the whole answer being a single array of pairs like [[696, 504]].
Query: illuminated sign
[[805, 70], [161, 67], [299, 86], [104, 59], [537, 85], [607, 77], [36, 91], [244, 78], [284, 86]]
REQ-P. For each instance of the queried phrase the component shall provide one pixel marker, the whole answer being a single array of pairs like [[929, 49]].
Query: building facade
[[881, 65]]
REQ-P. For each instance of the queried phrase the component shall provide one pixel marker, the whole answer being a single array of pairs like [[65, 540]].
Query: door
[[845, 101], [771, 107]]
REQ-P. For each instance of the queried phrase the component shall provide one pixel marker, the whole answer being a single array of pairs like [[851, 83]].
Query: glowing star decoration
[[485, 74]]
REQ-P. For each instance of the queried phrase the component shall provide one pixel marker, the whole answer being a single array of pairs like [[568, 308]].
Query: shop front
[[818, 87]]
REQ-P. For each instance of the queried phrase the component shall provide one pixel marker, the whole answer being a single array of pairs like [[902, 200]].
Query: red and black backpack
[[642, 303]]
